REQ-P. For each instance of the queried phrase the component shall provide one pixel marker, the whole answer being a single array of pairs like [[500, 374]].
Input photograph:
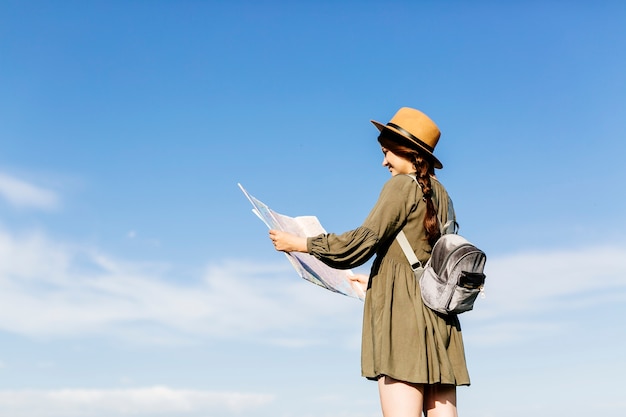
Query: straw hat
[[417, 128]]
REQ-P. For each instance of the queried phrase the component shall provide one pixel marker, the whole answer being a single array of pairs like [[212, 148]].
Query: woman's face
[[396, 164]]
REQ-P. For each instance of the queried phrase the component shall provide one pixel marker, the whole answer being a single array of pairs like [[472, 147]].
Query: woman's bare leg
[[400, 399], [440, 400]]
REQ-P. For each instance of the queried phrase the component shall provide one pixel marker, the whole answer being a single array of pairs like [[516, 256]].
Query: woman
[[415, 354]]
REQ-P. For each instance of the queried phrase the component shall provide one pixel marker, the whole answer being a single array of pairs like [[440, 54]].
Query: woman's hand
[[359, 281], [286, 242]]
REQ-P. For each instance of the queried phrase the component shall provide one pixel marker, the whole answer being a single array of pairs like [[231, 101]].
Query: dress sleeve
[[399, 197]]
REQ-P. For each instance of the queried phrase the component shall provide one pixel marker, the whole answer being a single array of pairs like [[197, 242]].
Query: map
[[307, 266]]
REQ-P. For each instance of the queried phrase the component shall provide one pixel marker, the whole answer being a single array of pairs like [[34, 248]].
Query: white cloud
[[150, 401], [528, 294], [556, 279], [56, 289], [52, 289], [23, 194]]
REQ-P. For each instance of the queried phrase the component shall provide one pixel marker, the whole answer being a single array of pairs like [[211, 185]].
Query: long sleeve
[[399, 197]]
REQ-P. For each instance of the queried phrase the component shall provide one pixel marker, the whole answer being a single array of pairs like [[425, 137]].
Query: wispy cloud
[[555, 279], [53, 289], [523, 287], [20, 193], [56, 289], [150, 401]]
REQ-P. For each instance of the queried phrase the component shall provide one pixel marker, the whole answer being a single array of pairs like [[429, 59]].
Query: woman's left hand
[[359, 281], [286, 242]]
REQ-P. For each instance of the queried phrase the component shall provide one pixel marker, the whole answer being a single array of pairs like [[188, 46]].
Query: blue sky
[[134, 279]]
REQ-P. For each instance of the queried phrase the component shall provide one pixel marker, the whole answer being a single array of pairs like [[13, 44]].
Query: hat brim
[[382, 127]]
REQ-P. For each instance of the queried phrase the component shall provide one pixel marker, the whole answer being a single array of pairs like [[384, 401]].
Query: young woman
[[414, 353]]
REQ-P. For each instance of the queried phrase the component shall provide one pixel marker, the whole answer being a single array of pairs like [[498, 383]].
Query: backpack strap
[[408, 250], [451, 225]]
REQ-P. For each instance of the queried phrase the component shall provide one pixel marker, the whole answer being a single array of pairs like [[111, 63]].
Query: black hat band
[[411, 136]]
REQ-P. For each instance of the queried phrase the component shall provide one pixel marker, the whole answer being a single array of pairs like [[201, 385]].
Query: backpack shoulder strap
[[408, 250], [445, 210]]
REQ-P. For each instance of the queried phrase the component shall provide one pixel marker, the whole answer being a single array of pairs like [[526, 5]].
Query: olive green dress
[[402, 338]]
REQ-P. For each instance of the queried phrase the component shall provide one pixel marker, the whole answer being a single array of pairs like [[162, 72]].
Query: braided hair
[[423, 169]]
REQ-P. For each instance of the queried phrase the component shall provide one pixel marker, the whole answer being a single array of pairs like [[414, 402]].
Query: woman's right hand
[[286, 242]]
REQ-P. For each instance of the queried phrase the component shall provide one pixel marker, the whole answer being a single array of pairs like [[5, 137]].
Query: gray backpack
[[453, 276]]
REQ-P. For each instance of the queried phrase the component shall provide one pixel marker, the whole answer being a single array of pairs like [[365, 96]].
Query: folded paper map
[[307, 266]]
